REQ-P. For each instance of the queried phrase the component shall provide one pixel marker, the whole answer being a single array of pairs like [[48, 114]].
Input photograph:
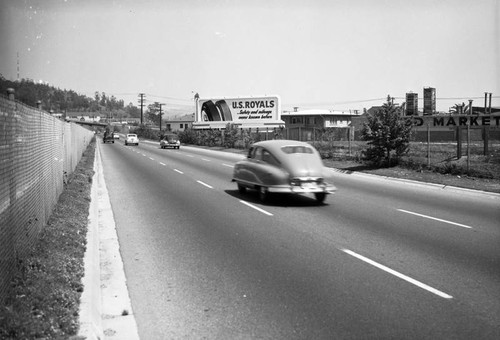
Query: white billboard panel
[[245, 112]]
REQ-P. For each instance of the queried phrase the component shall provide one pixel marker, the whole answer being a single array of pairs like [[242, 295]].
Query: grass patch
[[443, 157], [45, 292]]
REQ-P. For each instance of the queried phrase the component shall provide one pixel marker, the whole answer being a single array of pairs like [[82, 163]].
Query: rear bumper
[[327, 189]]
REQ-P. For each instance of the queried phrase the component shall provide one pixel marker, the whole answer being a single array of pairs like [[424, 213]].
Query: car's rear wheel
[[263, 194], [320, 197], [241, 189]]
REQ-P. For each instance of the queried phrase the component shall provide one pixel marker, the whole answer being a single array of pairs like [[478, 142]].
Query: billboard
[[244, 112]]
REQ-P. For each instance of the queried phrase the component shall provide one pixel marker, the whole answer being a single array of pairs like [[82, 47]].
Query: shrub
[[387, 134]]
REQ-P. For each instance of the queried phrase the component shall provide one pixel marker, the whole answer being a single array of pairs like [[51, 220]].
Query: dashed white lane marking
[[397, 274], [205, 184], [434, 218], [178, 171], [228, 165], [206, 160], [256, 208], [163, 164], [188, 155], [151, 158]]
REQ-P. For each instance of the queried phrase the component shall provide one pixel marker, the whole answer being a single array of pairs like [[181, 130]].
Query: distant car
[[282, 166], [131, 138], [108, 137], [116, 136], [170, 140]]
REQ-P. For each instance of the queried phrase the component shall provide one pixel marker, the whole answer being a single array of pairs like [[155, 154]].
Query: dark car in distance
[[170, 140]]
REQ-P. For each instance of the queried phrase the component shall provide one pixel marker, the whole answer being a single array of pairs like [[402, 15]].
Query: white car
[[131, 138]]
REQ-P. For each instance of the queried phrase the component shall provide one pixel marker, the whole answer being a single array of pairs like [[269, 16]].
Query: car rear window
[[131, 135], [296, 149]]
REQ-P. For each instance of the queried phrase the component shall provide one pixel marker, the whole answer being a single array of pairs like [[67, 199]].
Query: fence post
[[349, 139], [468, 148], [459, 142], [428, 146], [486, 140]]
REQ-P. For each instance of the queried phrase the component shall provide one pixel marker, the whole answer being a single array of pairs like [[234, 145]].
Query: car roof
[[276, 144]]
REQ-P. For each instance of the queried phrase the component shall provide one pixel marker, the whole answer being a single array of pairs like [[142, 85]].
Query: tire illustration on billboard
[[216, 112], [224, 110], [210, 111]]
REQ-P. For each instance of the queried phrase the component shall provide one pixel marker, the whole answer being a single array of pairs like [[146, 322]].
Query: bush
[[387, 134], [146, 132]]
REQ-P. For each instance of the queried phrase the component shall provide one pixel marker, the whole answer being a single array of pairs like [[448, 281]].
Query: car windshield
[[171, 138], [296, 149]]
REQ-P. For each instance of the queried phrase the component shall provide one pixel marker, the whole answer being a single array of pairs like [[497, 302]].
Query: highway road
[[380, 259]]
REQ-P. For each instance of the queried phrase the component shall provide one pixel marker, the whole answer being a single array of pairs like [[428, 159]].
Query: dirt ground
[[483, 184]]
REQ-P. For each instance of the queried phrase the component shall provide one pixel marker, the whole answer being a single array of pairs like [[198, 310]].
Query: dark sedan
[[282, 166]]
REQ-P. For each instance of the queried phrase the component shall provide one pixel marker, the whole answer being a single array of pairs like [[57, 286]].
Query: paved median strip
[[399, 275]]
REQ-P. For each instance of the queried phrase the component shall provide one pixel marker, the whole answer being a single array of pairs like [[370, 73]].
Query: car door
[[264, 167]]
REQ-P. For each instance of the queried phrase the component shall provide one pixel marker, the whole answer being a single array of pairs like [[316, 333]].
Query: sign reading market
[[244, 112], [457, 121]]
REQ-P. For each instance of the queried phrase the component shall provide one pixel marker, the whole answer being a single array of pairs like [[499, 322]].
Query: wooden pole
[[428, 146]]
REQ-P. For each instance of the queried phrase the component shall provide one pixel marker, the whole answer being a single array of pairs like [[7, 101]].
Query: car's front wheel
[[263, 194]]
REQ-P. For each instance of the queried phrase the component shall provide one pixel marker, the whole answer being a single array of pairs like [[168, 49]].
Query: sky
[[316, 54]]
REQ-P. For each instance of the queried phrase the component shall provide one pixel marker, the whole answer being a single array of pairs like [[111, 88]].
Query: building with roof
[[303, 125], [318, 118], [178, 123]]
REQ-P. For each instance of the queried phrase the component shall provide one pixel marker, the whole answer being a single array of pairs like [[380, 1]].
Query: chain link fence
[[37, 153]]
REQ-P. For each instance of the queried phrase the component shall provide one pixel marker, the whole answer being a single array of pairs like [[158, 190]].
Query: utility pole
[[160, 104], [142, 95]]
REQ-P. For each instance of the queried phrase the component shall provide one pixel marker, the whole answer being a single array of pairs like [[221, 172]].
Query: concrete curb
[[90, 301], [105, 308], [419, 183]]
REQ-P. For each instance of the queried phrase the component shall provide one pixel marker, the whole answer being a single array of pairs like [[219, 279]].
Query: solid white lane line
[[205, 184], [256, 208], [434, 218], [228, 165], [163, 164], [397, 274], [178, 171]]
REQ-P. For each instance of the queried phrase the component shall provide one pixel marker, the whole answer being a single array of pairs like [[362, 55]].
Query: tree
[[153, 113], [133, 111], [388, 135]]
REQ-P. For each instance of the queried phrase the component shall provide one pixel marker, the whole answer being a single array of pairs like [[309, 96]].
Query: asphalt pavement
[[106, 310]]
